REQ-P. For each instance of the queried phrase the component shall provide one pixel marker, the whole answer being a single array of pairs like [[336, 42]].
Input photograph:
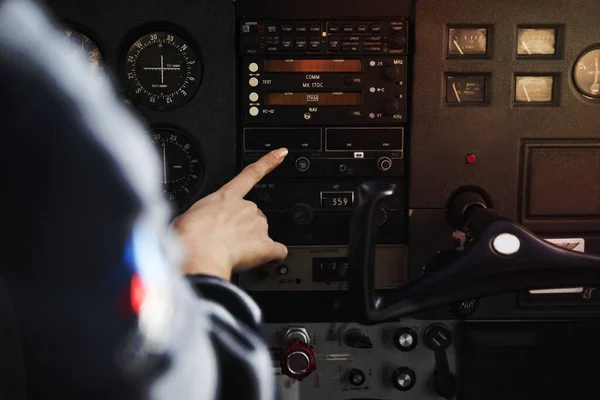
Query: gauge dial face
[[465, 42], [587, 73], [536, 42], [182, 167], [162, 70], [465, 89], [81, 43], [534, 89]]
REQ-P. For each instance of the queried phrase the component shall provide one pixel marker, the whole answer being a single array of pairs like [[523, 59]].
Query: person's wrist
[[208, 269]]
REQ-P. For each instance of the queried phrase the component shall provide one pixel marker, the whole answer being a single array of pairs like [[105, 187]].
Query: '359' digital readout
[[337, 200]]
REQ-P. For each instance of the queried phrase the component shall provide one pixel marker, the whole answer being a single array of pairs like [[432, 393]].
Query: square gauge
[[465, 90], [467, 41], [534, 89], [536, 41]]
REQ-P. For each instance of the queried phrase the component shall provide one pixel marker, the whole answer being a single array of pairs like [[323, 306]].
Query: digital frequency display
[[313, 66], [313, 99]]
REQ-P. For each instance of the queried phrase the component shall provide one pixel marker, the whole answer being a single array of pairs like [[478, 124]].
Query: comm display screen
[[315, 65], [313, 99]]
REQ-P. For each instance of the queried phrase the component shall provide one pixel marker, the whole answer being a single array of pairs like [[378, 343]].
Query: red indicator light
[[260, 28], [471, 159]]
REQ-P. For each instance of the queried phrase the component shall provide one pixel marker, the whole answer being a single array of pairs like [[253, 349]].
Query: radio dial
[[302, 214], [391, 73], [384, 164], [390, 107], [398, 41]]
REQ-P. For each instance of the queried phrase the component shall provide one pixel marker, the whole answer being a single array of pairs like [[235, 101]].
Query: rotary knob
[[404, 379], [357, 377], [384, 164], [390, 107], [297, 360], [302, 214], [405, 339], [398, 41], [391, 73], [438, 337]]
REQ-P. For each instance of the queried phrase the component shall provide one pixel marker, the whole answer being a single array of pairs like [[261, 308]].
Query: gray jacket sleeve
[[87, 231]]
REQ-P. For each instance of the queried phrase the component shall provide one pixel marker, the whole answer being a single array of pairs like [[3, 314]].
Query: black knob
[[350, 80], [405, 339], [398, 41], [404, 379], [391, 73], [302, 214], [302, 164], [463, 309], [357, 377], [445, 384], [355, 338], [462, 205], [390, 107], [438, 337], [384, 163]]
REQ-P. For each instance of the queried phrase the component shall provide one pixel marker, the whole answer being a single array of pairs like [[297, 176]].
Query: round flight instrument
[[163, 70], [81, 43], [182, 166], [587, 73]]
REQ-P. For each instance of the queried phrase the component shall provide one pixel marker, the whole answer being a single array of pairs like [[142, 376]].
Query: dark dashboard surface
[[537, 162], [437, 97]]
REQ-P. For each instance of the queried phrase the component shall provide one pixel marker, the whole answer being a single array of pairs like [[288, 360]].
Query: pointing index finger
[[254, 173]]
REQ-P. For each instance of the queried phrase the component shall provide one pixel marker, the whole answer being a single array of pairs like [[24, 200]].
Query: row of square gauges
[[473, 89], [473, 42]]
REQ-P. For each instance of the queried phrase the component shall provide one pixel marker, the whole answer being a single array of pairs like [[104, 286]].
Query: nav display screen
[[313, 99], [313, 65]]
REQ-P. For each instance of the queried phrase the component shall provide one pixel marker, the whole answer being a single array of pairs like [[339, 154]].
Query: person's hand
[[223, 232]]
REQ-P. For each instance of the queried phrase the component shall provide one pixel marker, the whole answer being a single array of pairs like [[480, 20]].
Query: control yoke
[[500, 256]]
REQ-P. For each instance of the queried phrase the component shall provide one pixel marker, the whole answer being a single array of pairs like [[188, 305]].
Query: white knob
[[253, 82], [253, 67], [253, 111], [253, 97]]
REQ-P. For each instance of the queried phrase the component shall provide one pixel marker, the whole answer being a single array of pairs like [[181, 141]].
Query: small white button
[[253, 82], [506, 244], [253, 111], [253, 97], [253, 67]]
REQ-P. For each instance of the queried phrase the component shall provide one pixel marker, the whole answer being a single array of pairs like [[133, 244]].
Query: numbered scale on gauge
[[81, 43], [536, 42], [182, 169], [587, 73], [465, 89], [467, 41], [162, 70], [534, 89]]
